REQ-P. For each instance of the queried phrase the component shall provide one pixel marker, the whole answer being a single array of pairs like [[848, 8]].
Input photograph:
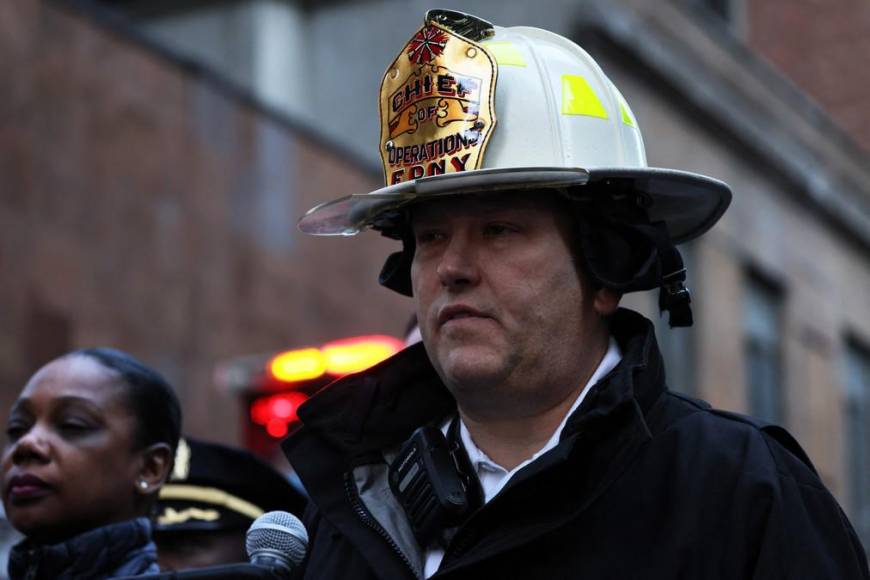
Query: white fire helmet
[[468, 108], [561, 125]]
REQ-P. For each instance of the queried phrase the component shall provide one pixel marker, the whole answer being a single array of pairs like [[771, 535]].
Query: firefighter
[[531, 434]]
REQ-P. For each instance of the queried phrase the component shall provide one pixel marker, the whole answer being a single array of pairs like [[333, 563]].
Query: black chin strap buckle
[[676, 298]]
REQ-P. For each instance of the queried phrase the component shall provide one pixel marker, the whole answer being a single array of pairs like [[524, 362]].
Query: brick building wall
[[147, 207], [826, 53]]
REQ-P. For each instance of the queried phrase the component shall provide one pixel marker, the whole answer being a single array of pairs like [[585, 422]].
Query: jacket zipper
[[369, 520]]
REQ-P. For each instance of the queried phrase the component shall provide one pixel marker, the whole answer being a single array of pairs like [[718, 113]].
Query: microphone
[[277, 540], [276, 544]]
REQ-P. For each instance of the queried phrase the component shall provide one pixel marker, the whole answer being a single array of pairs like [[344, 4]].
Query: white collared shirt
[[493, 477]]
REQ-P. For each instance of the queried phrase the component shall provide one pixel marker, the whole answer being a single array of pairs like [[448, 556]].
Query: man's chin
[[472, 368]]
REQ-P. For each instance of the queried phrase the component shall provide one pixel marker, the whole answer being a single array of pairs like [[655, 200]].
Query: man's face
[[505, 314]]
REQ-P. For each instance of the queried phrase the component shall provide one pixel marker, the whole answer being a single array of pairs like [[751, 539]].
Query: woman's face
[[68, 464]]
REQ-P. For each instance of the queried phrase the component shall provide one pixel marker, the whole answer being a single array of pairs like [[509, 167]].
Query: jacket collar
[[600, 440], [380, 407], [384, 404], [611, 423], [92, 554], [637, 381], [355, 419]]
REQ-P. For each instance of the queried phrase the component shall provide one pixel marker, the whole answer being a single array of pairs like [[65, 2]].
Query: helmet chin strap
[[674, 297]]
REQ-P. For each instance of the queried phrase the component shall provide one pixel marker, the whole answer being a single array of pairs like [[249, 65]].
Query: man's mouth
[[458, 312]]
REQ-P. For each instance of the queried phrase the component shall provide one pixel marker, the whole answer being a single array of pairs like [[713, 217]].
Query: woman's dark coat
[[123, 549]]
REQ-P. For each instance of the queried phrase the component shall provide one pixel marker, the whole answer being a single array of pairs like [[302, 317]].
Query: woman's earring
[[143, 485]]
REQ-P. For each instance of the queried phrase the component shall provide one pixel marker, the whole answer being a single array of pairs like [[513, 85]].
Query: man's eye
[[499, 229], [427, 237]]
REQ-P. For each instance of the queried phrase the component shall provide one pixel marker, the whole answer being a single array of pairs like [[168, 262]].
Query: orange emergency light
[[336, 358]]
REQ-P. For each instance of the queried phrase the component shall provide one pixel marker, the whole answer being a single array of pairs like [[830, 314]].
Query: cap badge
[[437, 105]]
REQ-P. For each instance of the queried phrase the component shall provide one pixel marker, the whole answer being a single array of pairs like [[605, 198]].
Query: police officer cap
[[216, 487]]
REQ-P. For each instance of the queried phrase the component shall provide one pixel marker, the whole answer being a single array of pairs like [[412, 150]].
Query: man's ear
[[606, 301], [155, 463]]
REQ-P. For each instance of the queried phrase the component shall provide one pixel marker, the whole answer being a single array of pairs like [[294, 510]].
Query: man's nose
[[457, 266]]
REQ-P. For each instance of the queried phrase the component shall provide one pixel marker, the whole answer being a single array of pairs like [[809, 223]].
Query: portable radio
[[434, 484]]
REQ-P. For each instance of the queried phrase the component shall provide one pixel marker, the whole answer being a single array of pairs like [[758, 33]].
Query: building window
[[678, 344], [856, 422], [763, 348]]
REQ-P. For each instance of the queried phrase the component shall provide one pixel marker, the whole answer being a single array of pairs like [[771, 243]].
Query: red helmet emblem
[[427, 44]]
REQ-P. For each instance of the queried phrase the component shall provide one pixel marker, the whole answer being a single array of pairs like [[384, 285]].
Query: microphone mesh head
[[277, 534]]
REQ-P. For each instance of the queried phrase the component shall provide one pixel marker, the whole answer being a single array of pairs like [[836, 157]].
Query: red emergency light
[[306, 368], [276, 412]]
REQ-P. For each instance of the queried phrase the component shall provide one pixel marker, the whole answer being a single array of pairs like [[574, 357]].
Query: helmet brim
[[687, 202]]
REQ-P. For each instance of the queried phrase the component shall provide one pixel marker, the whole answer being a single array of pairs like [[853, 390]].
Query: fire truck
[[270, 387]]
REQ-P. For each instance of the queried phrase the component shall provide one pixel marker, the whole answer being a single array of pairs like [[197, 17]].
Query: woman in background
[[90, 441]]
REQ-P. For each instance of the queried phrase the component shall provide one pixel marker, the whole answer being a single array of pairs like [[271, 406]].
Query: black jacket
[[123, 549], [644, 483]]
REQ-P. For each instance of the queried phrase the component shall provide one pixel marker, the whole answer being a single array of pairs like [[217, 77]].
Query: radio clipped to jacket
[[434, 483]]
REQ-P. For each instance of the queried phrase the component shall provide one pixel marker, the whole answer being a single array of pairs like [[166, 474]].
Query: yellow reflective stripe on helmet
[[626, 116], [210, 495], [504, 53], [578, 98]]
